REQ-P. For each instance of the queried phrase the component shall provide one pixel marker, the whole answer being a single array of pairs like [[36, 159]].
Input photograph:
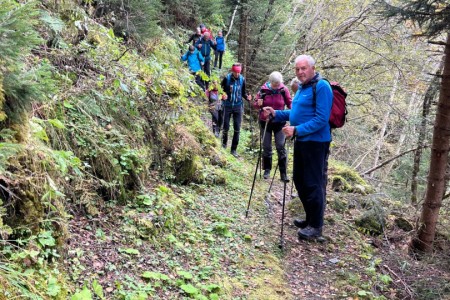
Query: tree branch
[[391, 159]]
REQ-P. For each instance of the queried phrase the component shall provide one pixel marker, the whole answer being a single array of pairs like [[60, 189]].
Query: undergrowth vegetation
[[113, 187], [105, 121]]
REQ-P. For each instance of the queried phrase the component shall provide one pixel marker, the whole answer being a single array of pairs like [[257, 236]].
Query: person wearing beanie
[[233, 85]]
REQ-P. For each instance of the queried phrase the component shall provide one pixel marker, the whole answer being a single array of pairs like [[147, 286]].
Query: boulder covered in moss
[[371, 222], [345, 179], [403, 224]]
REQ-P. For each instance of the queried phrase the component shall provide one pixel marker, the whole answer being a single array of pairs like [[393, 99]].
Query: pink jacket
[[277, 99]]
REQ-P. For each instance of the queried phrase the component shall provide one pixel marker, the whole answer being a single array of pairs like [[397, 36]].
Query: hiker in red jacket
[[276, 95]]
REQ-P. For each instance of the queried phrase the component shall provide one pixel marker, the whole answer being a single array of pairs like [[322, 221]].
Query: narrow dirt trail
[[311, 267]]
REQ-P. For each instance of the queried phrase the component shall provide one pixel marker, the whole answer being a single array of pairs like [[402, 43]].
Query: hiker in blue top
[[195, 61], [220, 49], [309, 125], [234, 86], [204, 45]]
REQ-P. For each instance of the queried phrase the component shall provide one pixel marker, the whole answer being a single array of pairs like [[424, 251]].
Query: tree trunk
[[242, 32], [385, 123], [232, 20], [430, 94], [438, 163], [257, 45]]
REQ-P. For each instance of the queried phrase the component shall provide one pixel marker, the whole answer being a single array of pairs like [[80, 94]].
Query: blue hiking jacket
[[220, 40], [310, 119], [235, 90], [193, 60], [205, 50]]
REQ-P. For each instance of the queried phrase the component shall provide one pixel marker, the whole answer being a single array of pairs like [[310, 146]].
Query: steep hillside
[[112, 185]]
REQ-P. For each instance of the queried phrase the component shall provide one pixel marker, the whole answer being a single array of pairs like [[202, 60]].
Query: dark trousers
[[279, 136], [217, 119], [199, 81], [236, 112], [207, 70], [310, 161], [218, 56], [207, 67]]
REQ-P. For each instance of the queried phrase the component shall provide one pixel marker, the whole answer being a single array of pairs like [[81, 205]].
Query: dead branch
[[391, 159]]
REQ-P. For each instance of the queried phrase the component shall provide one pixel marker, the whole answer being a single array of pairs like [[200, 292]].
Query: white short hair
[[295, 81], [275, 77], [308, 58]]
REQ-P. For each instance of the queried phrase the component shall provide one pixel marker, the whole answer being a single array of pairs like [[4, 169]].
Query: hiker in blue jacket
[[309, 125], [204, 45], [220, 49], [195, 61], [233, 84]]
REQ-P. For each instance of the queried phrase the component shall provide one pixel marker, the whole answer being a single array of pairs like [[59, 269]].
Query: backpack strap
[[314, 89]]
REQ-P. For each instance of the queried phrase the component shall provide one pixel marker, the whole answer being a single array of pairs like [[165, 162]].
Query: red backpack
[[339, 107]]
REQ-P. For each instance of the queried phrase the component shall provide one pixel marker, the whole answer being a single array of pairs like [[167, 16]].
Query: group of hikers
[[308, 113], [198, 55]]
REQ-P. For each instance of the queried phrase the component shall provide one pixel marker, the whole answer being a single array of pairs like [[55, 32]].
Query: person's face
[[275, 85], [294, 87], [235, 74], [199, 31], [219, 33], [304, 71], [206, 36]]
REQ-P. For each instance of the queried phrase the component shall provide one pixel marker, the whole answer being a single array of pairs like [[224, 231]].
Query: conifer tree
[[433, 18], [21, 84]]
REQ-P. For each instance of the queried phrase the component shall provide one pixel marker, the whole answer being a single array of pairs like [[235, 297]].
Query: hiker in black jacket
[[204, 45], [195, 37]]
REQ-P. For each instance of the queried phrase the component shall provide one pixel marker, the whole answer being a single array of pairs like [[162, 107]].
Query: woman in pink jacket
[[276, 95]]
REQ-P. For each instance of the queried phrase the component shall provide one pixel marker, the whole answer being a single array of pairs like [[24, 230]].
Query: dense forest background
[[102, 127]]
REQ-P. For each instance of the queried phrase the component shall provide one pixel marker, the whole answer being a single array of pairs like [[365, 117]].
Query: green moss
[[371, 222], [338, 204], [344, 178], [268, 283], [295, 206]]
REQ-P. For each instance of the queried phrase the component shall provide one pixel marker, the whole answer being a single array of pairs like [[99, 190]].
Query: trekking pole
[[271, 183], [256, 170], [292, 187], [251, 125], [260, 149], [281, 245]]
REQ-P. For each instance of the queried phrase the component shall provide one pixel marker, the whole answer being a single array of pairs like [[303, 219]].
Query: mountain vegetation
[[112, 185]]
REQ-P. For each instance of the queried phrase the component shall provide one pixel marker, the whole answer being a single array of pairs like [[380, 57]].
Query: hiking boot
[[284, 177], [309, 233], [224, 146], [266, 174], [216, 133], [300, 223], [234, 153]]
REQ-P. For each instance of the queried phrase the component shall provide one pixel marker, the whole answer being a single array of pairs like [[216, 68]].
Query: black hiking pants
[[275, 129], [236, 112], [310, 164], [218, 56]]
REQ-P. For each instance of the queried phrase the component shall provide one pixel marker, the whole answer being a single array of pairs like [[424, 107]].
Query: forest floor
[[347, 264], [214, 252]]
